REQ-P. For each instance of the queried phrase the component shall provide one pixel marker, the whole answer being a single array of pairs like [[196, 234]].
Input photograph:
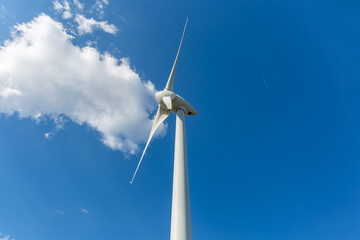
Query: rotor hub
[[170, 101]]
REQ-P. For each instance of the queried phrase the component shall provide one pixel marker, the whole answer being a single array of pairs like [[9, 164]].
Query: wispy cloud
[[59, 121], [267, 87], [84, 211], [2, 12], [79, 4], [88, 25], [5, 237], [43, 75], [84, 25], [99, 7], [8, 92], [60, 212]]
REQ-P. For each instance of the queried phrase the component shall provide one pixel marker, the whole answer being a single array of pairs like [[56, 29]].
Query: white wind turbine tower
[[171, 102]]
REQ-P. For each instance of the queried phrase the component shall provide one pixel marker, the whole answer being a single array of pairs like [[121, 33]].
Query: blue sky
[[273, 152]]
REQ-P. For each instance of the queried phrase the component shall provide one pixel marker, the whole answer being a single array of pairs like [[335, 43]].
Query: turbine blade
[[170, 83], [168, 102], [160, 116]]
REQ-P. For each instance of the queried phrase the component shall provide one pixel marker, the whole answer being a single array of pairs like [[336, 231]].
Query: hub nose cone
[[158, 96]]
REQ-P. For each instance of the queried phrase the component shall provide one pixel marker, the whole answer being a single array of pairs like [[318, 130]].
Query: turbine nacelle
[[170, 101]]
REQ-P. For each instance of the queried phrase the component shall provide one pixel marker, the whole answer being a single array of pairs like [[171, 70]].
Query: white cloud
[[63, 8], [83, 210], [87, 25], [44, 76]]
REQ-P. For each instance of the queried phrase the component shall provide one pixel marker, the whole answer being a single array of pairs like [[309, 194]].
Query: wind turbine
[[171, 102]]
